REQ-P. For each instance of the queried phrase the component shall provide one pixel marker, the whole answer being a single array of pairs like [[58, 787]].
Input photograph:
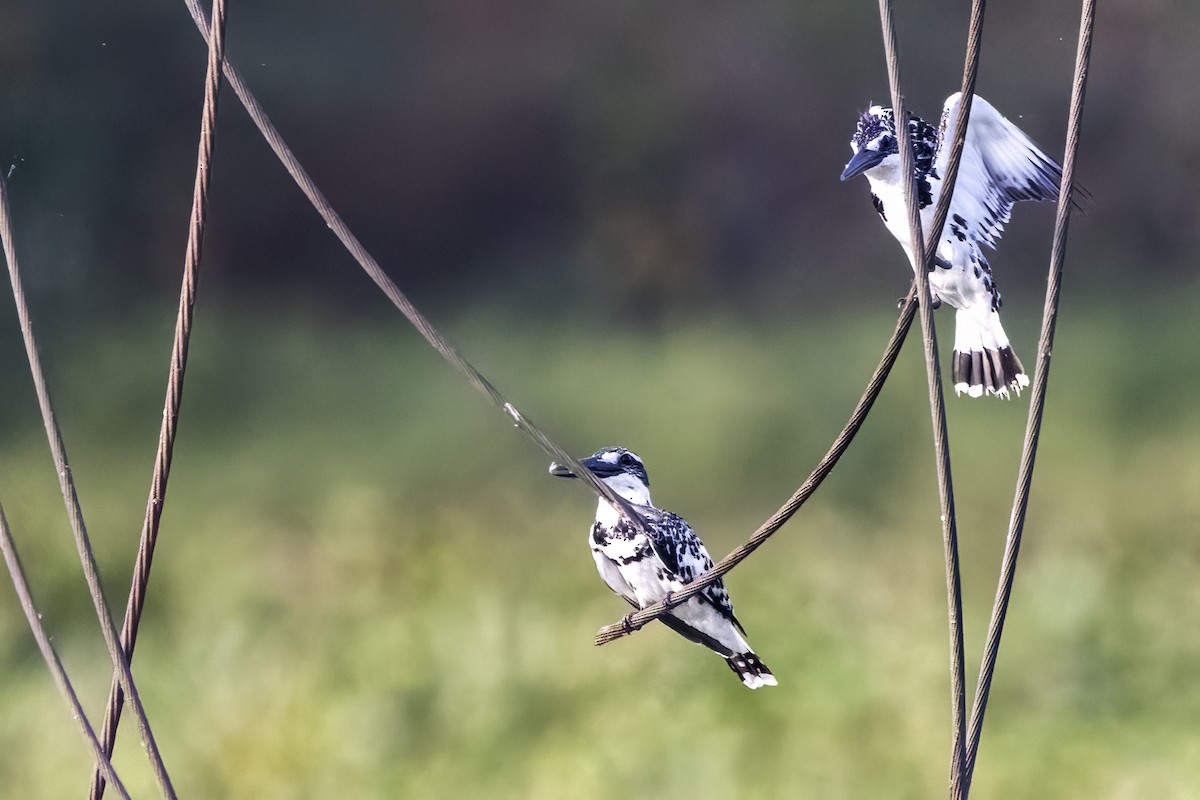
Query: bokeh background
[[628, 215]]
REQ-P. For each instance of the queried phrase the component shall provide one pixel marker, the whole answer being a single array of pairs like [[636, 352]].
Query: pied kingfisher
[[1000, 166], [645, 569]]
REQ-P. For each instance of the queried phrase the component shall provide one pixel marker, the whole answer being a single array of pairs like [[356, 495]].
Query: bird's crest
[[876, 131], [874, 123]]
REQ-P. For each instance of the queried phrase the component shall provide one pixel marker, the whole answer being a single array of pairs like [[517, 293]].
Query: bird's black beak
[[598, 467], [863, 160], [559, 471]]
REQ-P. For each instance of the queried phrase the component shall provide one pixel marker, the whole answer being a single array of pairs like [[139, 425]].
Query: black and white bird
[[645, 569], [1000, 166]]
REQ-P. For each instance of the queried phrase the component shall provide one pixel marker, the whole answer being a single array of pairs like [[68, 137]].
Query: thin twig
[[66, 483], [650, 613], [369, 265], [937, 406], [21, 585], [1037, 405], [179, 353]]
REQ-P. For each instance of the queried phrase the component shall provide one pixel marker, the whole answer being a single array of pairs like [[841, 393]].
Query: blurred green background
[[628, 216]]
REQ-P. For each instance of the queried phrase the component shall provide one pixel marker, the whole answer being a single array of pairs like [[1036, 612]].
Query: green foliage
[[367, 586]]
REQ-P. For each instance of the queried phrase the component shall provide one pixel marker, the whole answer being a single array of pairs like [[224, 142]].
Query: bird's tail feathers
[[734, 649], [984, 362], [751, 670]]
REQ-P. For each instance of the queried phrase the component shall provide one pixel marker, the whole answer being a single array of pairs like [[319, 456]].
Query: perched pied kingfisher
[[1000, 166], [645, 569]]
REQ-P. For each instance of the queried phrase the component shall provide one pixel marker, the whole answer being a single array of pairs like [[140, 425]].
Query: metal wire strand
[[937, 406], [438, 342], [170, 421], [640, 619], [434, 338], [1037, 405], [83, 543], [369, 265], [650, 613], [53, 662]]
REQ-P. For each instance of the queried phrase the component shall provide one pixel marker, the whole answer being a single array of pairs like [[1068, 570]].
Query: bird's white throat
[[628, 487]]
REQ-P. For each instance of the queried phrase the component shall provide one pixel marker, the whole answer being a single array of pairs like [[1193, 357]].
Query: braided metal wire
[[1037, 403], [179, 352], [66, 482], [650, 613]]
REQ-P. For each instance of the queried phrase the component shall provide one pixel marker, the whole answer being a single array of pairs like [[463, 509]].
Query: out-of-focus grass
[[367, 586]]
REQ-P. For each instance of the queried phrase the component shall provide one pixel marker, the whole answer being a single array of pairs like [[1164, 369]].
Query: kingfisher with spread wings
[[1000, 166]]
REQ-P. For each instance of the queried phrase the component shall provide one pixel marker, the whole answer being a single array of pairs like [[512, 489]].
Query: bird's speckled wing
[[1000, 166], [681, 551]]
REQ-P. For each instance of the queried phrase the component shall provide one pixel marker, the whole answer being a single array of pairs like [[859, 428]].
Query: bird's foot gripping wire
[[937, 302]]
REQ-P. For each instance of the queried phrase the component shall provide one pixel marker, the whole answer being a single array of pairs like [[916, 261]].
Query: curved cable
[[418, 320], [650, 613]]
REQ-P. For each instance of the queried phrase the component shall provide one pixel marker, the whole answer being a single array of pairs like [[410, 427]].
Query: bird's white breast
[[958, 286], [886, 185]]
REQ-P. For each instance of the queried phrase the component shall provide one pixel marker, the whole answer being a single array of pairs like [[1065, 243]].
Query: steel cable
[[1012, 547], [365, 260], [53, 662], [178, 366], [435, 339], [650, 613], [83, 543], [937, 400]]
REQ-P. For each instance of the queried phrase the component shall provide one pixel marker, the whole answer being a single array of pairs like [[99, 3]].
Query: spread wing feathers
[[684, 555], [1000, 166]]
